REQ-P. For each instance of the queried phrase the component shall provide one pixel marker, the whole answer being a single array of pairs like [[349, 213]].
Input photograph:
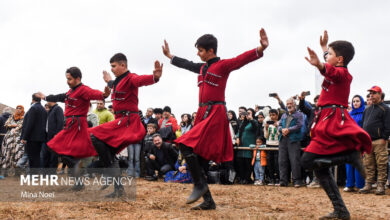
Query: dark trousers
[[153, 165], [245, 168], [290, 154], [273, 164], [49, 159], [33, 149]]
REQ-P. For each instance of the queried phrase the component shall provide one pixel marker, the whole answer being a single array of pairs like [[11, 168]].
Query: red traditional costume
[[210, 137], [127, 127], [74, 139], [333, 130]]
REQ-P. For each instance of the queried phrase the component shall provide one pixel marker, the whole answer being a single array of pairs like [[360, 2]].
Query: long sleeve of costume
[[56, 98], [333, 73], [92, 94], [142, 80], [241, 60], [185, 64]]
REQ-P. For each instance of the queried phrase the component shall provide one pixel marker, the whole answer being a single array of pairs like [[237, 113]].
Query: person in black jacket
[[162, 157], [54, 124], [33, 131], [376, 122]]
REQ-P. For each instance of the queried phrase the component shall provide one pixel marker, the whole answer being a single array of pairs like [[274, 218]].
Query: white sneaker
[[313, 185], [256, 183]]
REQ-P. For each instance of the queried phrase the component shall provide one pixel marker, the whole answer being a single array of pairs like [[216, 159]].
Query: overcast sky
[[39, 40]]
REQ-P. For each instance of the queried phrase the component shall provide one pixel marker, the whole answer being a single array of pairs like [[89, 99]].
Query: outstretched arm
[[249, 56], [52, 98], [313, 60], [145, 80], [180, 62]]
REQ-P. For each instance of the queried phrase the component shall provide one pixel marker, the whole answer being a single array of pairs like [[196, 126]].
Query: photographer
[[247, 136]]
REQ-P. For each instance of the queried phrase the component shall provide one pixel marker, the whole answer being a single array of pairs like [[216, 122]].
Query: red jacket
[[126, 128], [171, 122]]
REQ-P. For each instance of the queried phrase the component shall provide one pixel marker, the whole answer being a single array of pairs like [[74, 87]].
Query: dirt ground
[[159, 200]]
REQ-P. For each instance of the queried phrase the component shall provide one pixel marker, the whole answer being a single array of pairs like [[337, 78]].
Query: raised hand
[[314, 59], [324, 41], [263, 41], [107, 92], [106, 76], [166, 50], [157, 72]]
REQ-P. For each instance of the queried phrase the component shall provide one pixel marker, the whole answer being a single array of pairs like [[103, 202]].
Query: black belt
[[333, 111], [125, 113], [74, 116], [209, 105]]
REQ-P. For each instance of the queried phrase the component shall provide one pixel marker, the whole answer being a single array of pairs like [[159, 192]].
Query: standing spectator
[[33, 131], [246, 137], [162, 157], [186, 123], [376, 121], [271, 135], [306, 108], [92, 118], [110, 109], [3, 118], [289, 146], [241, 115], [353, 176], [368, 100], [149, 117], [168, 125], [259, 160], [157, 114], [54, 124], [260, 128], [12, 148], [233, 120], [193, 118], [103, 114], [147, 144]]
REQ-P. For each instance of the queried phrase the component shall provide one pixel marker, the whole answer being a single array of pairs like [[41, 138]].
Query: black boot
[[207, 204], [114, 171], [329, 185], [75, 171], [353, 158], [198, 177]]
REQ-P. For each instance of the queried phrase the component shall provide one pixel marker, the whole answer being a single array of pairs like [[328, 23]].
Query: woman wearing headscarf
[[353, 176], [246, 137], [12, 147]]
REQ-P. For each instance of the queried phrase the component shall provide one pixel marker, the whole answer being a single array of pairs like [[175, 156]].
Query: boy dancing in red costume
[[112, 137], [210, 138], [335, 136]]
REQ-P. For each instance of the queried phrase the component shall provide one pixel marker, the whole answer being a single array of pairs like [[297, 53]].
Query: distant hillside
[[2, 106]]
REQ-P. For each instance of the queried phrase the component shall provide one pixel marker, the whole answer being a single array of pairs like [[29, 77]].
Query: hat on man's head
[[376, 89], [167, 109]]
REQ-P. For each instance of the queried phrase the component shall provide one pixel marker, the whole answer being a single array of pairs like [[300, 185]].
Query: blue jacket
[[294, 127]]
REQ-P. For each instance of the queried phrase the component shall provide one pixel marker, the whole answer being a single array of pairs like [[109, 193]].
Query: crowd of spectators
[[268, 143]]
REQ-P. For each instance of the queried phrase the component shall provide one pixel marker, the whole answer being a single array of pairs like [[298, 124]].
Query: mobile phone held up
[[273, 94], [270, 122]]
